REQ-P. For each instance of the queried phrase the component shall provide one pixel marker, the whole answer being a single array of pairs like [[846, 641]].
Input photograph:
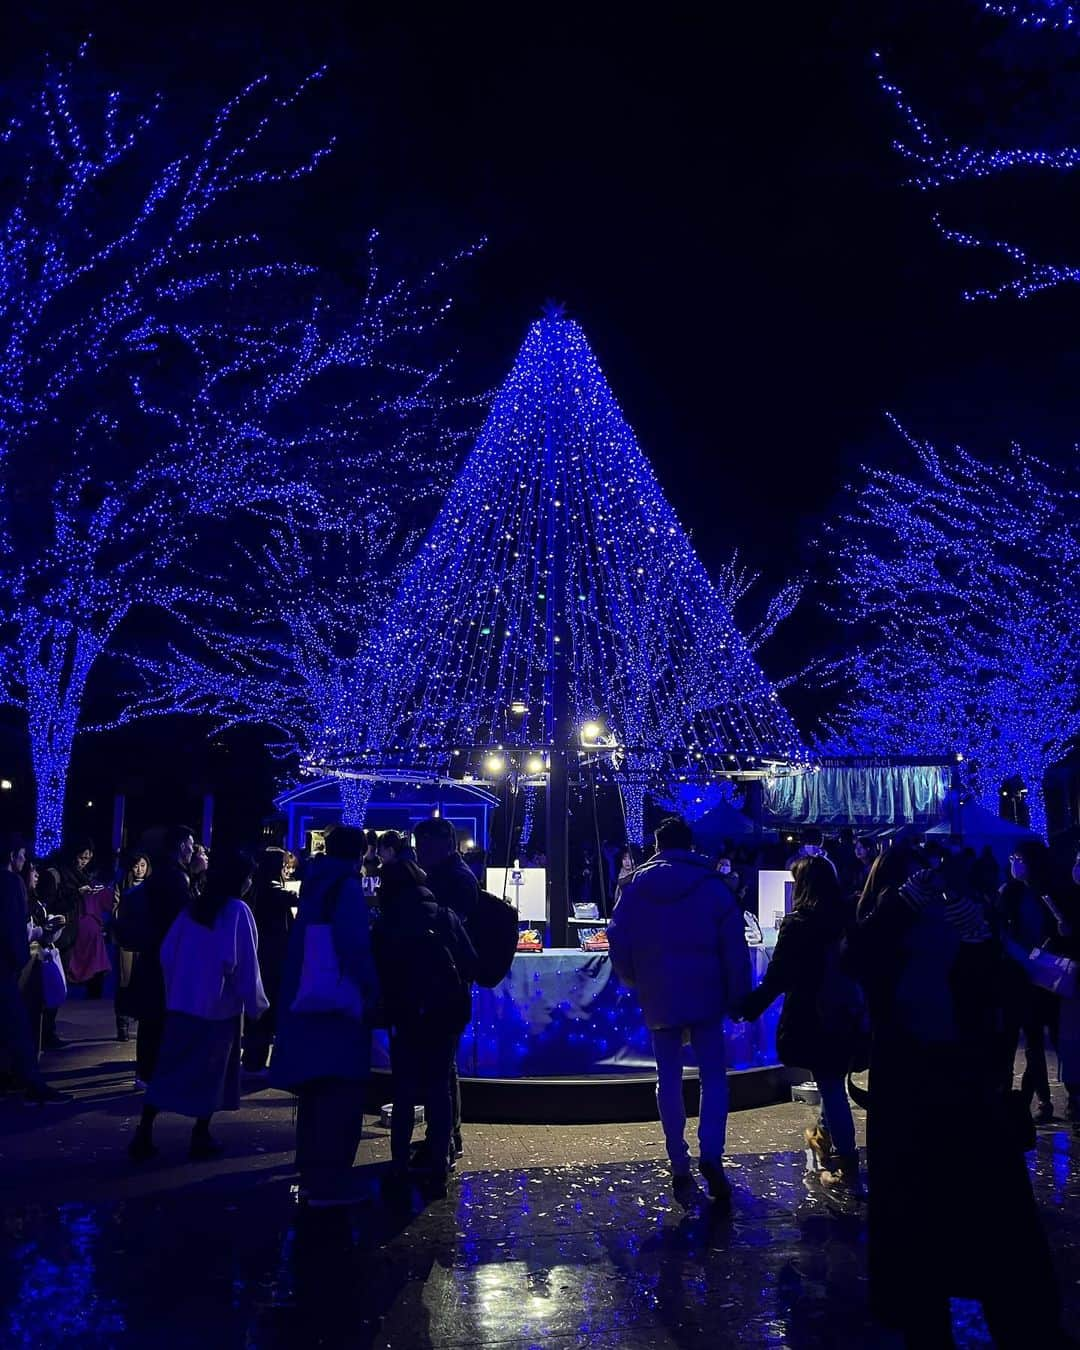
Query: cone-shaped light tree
[[557, 589]]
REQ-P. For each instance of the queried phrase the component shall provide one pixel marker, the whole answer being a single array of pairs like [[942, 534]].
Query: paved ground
[[553, 1236]]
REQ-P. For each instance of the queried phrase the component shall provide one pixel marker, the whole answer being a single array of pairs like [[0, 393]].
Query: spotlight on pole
[[495, 764], [534, 764], [590, 731]]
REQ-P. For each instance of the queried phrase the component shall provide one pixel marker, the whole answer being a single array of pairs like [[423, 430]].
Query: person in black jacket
[[164, 893], [456, 888], [820, 1022], [938, 986], [271, 904], [425, 964], [15, 1034]]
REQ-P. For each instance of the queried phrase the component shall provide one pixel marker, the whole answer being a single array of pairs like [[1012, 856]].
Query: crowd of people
[[916, 960]]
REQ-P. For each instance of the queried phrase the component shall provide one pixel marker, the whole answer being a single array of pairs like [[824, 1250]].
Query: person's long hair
[[399, 876], [269, 868], [816, 886], [226, 880], [889, 870]]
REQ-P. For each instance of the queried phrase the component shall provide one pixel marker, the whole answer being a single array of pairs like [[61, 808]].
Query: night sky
[[709, 189]]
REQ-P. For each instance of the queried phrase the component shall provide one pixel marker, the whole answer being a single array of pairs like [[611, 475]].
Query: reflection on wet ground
[[591, 1254]]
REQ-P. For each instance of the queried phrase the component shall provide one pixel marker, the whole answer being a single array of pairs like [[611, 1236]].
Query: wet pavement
[[552, 1236]]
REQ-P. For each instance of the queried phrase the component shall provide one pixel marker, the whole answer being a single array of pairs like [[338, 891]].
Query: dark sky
[[712, 193], [709, 188]]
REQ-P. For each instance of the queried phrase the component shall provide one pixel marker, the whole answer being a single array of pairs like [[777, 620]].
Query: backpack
[[421, 980], [493, 930]]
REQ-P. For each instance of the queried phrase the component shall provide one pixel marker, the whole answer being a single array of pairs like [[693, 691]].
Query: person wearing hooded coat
[[677, 937], [324, 1058]]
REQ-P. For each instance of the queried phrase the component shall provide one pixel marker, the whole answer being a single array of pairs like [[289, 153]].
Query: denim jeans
[[836, 1112], [707, 1041]]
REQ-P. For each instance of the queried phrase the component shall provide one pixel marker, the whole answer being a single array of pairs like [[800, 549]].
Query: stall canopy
[[980, 828], [721, 823], [865, 793]]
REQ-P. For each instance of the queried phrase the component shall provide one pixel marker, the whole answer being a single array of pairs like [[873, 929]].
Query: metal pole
[[119, 809], [558, 721]]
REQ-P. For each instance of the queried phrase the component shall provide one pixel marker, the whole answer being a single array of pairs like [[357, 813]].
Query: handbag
[[1056, 974], [324, 988], [53, 981]]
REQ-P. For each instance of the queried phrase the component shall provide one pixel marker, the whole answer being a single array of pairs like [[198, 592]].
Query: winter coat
[[14, 946], [425, 959], [161, 898], [941, 1057], [271, 905], [813, 1032], [454, 887], [213, 973], [61, 886], [1027, 920], [89, 955], [310, 1046], [677, 936]]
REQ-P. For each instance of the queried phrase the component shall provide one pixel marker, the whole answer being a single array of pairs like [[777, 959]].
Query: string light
[[1037, 13], [936, 162], [158, 378], [556, 545], [963, 571]]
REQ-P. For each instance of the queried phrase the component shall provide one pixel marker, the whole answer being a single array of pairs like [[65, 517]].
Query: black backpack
[[493, 929], [421, 981]]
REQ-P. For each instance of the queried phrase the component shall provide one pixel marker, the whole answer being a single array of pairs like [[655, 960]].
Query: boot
[[819, 1141], [843, 1174]]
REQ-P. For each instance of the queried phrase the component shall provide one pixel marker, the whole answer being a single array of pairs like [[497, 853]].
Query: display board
[[524, 887], [774, 896]]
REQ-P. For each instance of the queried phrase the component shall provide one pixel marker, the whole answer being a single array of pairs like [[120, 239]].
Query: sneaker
[[459, 1147], [141, 1149], [1044, 1113], [718, 1184], [40, 1094], [682, 1188]]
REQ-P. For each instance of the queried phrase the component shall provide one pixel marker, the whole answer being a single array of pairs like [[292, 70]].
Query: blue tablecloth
[[564, 1012]]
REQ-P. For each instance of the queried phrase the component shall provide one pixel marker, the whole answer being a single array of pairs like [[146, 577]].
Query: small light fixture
[[590, 730], [518, 708], [89, 803], [6, 784], [534, 764], [495, 763]]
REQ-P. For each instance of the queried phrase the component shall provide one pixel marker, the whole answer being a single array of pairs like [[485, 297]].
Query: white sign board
[[524, 887], [774, 896]]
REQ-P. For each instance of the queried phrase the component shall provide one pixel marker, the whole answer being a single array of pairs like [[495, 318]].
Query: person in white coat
[[211, 967], [677, 937]]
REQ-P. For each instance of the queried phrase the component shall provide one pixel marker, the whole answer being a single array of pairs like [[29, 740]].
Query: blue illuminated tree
[[558, 588], [161, 375], [960, 574]]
